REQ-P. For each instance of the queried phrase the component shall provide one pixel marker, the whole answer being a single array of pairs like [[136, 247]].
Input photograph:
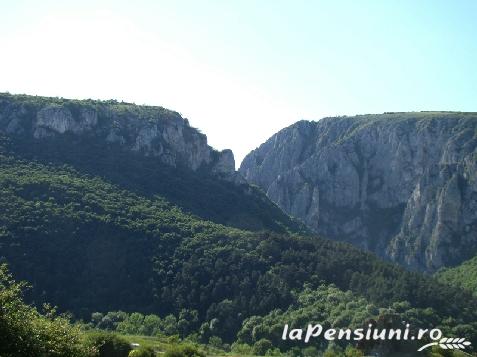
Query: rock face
[[403, 185], [151, 131], [53, 120]]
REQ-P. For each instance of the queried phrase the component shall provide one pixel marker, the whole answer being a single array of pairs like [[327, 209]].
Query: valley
[[141, 236]]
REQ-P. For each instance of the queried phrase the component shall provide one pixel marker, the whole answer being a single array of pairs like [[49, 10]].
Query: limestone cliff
[[151, 131], [403, 185]]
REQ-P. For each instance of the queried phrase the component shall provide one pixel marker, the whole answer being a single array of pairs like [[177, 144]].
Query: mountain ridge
[[352, 178], [151, 130], [149, 150]]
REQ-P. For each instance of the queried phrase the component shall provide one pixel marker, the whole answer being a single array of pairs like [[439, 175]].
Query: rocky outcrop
[[403, 185], [151, 131], [55, 119]]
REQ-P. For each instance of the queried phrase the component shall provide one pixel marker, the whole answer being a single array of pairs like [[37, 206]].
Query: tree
[[25, 332], [261, 347], [169, 325], [152, 325]]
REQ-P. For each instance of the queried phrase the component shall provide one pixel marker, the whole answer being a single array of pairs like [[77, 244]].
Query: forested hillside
[[463, 275], [87, 245], [147, 150]]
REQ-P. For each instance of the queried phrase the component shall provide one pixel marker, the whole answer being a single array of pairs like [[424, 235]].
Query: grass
[[161, 344]]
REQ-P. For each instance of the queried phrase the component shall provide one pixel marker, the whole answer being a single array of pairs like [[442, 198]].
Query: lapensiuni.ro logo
[[375, 334]]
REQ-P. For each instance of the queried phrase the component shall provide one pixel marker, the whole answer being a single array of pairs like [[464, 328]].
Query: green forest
[[463, 275]]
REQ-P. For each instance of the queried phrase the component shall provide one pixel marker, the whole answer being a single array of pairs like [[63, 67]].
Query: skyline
[[242, 71]]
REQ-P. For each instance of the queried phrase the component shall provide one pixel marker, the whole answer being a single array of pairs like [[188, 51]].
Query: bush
[[109, 345], [184, 351], [216, 342], [273, 352], [241, 348]]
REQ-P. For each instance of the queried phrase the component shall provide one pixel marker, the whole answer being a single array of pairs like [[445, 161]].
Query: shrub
[[184, 351], [273, 352], [109, 345], [241, 348], [216, 342]]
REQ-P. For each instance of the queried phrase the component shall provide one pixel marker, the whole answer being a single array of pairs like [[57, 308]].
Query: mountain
[[148, 150], [151, 131], [96, 225], [402, 185]]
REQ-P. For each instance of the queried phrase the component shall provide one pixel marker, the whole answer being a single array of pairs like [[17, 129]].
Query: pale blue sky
[[241, 70]]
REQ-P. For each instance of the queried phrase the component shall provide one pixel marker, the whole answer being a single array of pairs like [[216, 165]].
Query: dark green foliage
[[147, 325], [261, 347], [111, 249], [334, 308], [216, 342], [312, 351], [198, 193], [464, 275], [26, 333], [106, 344]]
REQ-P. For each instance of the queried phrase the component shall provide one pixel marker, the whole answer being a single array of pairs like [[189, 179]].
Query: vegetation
[[33, 103], [108, 345], [136, 248], [334, 308], [198, 193], [262, 335], [464, 275], [142, 352], [111, 249], [183, 351], [25, 332], [426, 120]]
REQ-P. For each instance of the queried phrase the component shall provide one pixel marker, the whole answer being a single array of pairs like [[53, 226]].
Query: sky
[[242, 70]]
